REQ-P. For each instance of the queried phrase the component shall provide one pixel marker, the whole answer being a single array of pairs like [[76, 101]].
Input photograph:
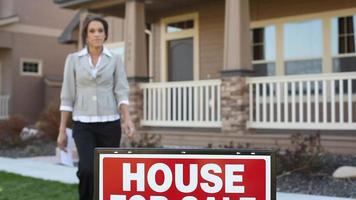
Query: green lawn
[[15, 187]]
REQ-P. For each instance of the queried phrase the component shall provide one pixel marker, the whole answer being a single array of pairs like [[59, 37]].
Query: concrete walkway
[[37, 168], [47, 168]]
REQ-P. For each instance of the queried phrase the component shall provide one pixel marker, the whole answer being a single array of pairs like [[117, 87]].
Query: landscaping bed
[[32, 148], [322, 182]]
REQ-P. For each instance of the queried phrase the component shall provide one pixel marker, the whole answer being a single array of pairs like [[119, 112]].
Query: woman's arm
[[122, 97], [67, 101], [62, 136]]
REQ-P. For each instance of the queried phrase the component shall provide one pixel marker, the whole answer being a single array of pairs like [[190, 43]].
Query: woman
[[95, 91]]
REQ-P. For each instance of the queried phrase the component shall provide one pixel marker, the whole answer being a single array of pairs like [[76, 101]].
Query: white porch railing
[[182, 104], [321, 101], [4, 106]]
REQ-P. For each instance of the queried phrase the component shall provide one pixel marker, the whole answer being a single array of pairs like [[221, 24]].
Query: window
[[346, 35], [31, 67], [117, 48], [180, 26], [343, 43], [343, 47], [264, 50], [303, 44]]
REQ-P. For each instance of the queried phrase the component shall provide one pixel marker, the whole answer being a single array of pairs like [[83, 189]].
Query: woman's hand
[[62, 136], [129, 128], [62, 140]]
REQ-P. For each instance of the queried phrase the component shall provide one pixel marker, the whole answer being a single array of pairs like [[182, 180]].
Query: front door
[[180, 60]]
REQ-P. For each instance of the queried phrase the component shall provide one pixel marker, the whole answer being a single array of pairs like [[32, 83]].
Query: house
[[249, 71], [31, 58]]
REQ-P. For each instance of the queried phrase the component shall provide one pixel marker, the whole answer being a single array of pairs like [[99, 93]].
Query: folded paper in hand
[[67, 157]]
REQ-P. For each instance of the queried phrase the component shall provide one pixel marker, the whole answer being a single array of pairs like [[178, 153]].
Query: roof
[[9, 20], [67, 35], [70, 3]]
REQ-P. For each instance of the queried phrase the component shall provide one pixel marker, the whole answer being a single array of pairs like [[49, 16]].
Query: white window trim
[[344, 55], [40, 66], [302, 59], [188, 33], [263, 61]]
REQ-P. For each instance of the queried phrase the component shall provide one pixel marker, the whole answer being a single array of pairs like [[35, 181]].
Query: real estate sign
[[175, 174]]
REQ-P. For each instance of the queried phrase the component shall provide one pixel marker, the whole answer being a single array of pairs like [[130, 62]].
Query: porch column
[[135, 55], [237, 65]]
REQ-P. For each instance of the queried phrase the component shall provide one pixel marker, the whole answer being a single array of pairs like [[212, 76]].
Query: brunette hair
[[86, 23]]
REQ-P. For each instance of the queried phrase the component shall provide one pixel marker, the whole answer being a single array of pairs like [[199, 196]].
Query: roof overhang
[[88, 4], [9, 20], [72, 4], [117, 7], [68, 35]]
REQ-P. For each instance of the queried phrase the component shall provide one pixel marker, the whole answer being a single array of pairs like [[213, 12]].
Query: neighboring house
[[31, 58], [193, 78]]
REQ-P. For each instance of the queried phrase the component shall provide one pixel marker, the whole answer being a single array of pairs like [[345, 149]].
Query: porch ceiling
[[117, 7]]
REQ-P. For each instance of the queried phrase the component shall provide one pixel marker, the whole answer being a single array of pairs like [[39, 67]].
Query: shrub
[[49, 121], [304, 155], [10, 130]]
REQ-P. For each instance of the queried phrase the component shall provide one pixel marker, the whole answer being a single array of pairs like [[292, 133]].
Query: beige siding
[[6, 8], [211, 36], [116, 29], [6, 62], [42, 13], [52, 94], [6, 39]]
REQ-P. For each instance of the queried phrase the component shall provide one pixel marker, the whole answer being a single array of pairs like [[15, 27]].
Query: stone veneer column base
[[234, 105], [136, 103]]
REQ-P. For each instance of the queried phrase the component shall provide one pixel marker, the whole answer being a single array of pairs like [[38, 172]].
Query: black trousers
[[87, 136]]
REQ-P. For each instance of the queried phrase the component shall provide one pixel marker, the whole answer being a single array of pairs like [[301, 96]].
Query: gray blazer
[[94, 96]]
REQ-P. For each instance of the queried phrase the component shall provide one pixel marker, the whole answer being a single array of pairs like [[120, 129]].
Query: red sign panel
[[184, 177]]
